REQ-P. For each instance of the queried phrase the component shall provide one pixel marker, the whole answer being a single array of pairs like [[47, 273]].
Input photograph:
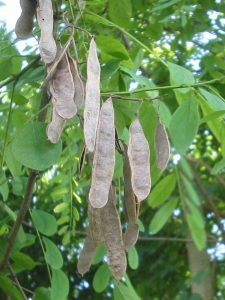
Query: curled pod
[[86, 256], [78, 84], [55, 127], [62, 89], [24, 24], [139, 158], [47, 43], [162, 147], [112, 235], [104, 157], [92, 98]]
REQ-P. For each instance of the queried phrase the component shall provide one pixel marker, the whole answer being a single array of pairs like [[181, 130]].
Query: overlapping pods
[[104, 157], [139, 158], [92, 99], [47, 43], [162, 147], [24, 24]]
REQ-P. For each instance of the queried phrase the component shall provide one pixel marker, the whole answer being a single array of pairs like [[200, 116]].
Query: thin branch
[[15, 279], [117, 97], [170, 239]]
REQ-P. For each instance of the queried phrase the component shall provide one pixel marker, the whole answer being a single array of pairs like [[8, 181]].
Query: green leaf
[[162, 215], [218, 166], [32, 149], [133, 259], [9, 289], [22, 262], [123, 292], [216, 102], [101, 278], [100, 252], [190, 190], [184, 125], [120, 12], [112, 47], [59, 285], [212, 116], [13, 165], [52, 254], [20, 99], [162, 190], [180, 76], [44, 222], [42, 293]]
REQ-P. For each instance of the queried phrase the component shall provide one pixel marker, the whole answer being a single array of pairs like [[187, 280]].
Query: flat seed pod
[[62, 89], [162, 147], [86, 256], [55, 127], [24, 24], [104, 157], [131, 235], [78, 84], [47, 43], [139, 158], [95, 222], [112, 234], [92, 99]]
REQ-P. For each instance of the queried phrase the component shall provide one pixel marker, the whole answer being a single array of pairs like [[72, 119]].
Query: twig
[[135, 99], [15, 279], [170, 239]]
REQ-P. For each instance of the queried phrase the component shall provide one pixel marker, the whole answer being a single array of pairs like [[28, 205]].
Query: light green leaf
[[9, 288], [42, 293], [218, 166], [133, 258], [59, 285], [213, 100], [162, 190], [162, 216], [52, 254], [198, 232], [44, 222], [13, 165], [101, 278], [100, 252], [120, 12], [184, 125], [32, 149], [190, 190]]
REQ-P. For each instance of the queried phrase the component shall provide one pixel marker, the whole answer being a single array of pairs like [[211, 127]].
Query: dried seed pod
[[112, 234], [162, 147], [104, 157], [132, 231], [47, 43], [24, 24], [92, 99], [139, 158], [55, 127], [62, 89], [86, 256], [95, 223], [78, 84]]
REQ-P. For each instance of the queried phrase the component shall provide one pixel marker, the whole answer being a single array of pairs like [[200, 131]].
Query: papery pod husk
[[47, 45], [25, 22], [92, 98], [139, 158], [95, 223], [62, 89], [104, 157], [131, 235], [55, 127], [78, 83], [162, 147], [86, 256]]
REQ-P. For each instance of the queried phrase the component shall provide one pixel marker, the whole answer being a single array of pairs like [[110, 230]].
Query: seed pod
[[112, 234], [139, 158], [162, 147], [47, 43], [104, 157], [86, 256], [92, 99], [95, 223], [78, 84], [132, 231], [62, 89], [24, 24], [55, 127]]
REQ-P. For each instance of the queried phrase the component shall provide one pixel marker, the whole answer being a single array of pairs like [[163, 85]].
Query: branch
[[15, 279], [170, 239]]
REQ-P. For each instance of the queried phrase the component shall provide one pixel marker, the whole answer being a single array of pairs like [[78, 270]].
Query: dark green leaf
[[44, 222]]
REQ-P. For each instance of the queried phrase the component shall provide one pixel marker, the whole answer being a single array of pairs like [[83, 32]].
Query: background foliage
[[158, 57]]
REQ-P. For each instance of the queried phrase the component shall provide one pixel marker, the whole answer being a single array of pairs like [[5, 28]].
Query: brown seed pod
[[78, 84], [86, 256], [112, 234], [104, 157], [132, 231], [62, 89], [92, 98], [162, 147], [24, 24], [47, 43], [55, 127], [95, 223], [139, 158]]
